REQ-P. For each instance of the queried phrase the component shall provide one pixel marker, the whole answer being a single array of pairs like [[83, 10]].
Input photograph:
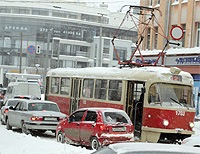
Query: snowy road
[[14, 142]]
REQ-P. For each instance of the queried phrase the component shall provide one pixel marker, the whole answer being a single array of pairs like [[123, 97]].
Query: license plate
[[119, 129], [50, 119]]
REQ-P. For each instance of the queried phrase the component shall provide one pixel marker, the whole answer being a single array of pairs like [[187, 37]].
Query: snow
[[171, 51], [14, 142]]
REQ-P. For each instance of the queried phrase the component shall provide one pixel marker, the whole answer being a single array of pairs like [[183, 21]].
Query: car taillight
[[61, 119], [2, 96], [6, 110], [131, 128], [102, 127], [36, 118]]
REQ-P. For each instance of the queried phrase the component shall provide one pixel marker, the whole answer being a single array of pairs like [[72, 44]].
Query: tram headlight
[[165, 122], [191, 124]]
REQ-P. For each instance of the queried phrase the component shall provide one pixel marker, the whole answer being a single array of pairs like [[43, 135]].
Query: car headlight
[[165, 122], [191, 124]]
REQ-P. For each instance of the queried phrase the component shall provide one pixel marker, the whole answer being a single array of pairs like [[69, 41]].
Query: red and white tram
[[157, 99]]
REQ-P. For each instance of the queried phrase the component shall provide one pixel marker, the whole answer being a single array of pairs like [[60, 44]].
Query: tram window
[[101, 89], [88, 86], [55, 85], [115, 90], [65, 84], [170, 95]]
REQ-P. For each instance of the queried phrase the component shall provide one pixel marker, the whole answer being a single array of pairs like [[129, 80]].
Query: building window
[[150, 2], [183, 38], [198, 34], [156, 37], [158, 1], [148, 38]]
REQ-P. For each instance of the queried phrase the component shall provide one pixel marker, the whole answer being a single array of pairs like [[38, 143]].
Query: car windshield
[[43, 107], [177, 96], [12, 102], [113, 117]]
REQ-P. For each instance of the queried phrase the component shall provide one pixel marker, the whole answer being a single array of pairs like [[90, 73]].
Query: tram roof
[[139, 74]]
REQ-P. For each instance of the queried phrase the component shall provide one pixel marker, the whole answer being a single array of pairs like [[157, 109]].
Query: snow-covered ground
[[14, 142]]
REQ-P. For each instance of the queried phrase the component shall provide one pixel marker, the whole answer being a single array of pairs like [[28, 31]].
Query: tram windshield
[[170, 95]]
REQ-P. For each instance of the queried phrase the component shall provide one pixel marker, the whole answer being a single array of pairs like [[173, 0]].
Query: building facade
[[60, 30]]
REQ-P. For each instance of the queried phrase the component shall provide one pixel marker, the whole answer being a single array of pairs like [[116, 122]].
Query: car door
[[72, 127], [19, 114], [12, 115], [87, 127]]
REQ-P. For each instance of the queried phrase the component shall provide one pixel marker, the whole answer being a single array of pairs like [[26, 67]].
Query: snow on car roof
[[130, 147], [162, 73]]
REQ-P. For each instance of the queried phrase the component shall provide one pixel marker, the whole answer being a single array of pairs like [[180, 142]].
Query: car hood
[[48, 113]]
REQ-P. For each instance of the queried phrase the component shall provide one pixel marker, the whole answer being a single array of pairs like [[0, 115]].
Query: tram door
[[75, 94], [134, 105]]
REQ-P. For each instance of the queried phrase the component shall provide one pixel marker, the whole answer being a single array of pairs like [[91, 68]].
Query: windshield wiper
[[180, 103], [176, 101]]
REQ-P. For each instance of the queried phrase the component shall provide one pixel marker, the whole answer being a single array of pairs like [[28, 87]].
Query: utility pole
[[46, 60], [20, 61], [100, 40]]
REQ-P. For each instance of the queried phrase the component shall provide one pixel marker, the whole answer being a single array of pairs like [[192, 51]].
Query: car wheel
[[24, 129], [2, 122], [60, 137], [94, 143], [8, 127]]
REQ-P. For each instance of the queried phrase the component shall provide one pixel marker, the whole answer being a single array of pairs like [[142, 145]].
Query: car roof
[[151, 147], [39, 101], [101, 109]]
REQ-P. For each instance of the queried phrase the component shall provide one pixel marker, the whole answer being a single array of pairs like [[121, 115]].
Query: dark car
[[95, 127], [2, 95], [5, 108], [146, 148]]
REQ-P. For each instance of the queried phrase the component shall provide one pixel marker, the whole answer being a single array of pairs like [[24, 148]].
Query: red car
[[95, 127]]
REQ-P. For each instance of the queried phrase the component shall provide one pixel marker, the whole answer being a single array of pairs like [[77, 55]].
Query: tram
[[158, 99]]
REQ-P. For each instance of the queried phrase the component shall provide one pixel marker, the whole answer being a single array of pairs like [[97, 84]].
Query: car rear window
[[112, 117], [43, 107]]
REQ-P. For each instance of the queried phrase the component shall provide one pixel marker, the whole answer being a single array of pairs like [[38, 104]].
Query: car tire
[[94, 144], [60, 137], [8, 127], [2, 122], [24, 129]]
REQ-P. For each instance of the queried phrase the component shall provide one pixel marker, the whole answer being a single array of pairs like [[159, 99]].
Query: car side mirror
[[68, 120], [11, 108]]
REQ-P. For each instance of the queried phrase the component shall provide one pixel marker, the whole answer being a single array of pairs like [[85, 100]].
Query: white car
[[5, 108], [146, 148], [34, 115]]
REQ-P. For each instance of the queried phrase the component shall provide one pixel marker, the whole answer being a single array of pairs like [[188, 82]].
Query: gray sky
[[113, 5]]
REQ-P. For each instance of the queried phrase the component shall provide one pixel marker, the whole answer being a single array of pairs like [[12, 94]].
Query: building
[[40, 34], [183, 13]]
